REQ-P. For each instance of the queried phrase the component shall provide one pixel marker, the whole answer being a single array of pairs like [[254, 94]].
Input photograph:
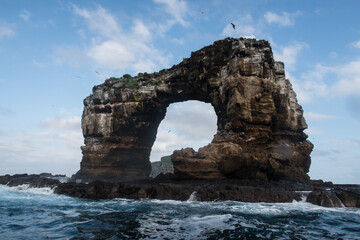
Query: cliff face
[[164, 166], [260, 124]]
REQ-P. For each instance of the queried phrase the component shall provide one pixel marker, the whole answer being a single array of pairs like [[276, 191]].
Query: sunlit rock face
[[259, 128]]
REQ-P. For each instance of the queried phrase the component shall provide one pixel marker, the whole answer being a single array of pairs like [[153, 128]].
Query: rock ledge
[[163, 188]]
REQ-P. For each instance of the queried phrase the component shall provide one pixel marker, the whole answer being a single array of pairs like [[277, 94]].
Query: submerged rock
[[206, 190], [259, 128]]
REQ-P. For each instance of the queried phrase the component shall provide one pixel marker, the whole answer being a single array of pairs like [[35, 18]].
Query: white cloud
[[114, 49], [355, 44], [177, 9], [348, 79], [70, 123], [285, 19], [54, 149], [317, 116], [140, 30], [5, 30], [65, 129], [188, 124], [313, 131], [100, 21], [329, 81], [134, 55], [302, 95], [35, 152], [25, 15], [289, 54], [111, 54]]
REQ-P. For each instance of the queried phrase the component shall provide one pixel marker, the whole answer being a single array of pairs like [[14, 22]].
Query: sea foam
[[40, 214]]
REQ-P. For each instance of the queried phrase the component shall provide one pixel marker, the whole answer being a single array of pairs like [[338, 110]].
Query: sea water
[[33, 213]]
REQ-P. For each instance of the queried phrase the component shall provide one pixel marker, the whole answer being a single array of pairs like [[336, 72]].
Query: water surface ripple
[[27, 213]]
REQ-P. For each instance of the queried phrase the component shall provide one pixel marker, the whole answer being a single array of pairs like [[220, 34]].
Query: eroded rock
[[165, 166], [259, 129], [164, 187]]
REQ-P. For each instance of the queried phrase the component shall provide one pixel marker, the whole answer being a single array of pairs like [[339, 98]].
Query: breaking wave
[[30, 213]]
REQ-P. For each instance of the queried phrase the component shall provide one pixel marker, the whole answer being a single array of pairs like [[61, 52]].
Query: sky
[[53, 52]]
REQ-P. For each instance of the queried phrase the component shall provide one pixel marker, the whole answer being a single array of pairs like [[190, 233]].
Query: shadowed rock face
[[259, 128]]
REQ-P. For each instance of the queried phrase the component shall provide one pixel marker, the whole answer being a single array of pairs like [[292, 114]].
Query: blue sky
[[53, 52]]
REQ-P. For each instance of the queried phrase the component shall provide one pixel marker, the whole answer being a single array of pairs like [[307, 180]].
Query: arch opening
[[186, 124]]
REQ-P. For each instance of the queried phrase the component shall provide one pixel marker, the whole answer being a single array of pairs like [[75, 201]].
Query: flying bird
[[97, 72], [233, 25], [169, 131]]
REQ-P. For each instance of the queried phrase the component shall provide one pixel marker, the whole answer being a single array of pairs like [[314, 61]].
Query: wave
[[38, 213], [249, 208], [25, 188]]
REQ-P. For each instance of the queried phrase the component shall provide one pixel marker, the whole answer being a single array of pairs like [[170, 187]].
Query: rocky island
[[259, 122], [259, 153]]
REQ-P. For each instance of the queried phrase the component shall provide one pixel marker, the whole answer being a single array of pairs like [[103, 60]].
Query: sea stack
[[260, 125]]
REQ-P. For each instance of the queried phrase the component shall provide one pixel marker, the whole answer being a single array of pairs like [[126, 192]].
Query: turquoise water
[[39, 214]]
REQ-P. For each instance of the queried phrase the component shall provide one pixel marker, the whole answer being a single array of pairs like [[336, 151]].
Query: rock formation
[[259, 122], [164, 166], [321, 193]]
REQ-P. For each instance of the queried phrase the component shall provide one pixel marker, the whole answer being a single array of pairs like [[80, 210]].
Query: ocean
[[38, 213]]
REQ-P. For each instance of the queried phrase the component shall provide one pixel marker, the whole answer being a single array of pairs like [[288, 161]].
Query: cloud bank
[[188, 124], [283, 19]]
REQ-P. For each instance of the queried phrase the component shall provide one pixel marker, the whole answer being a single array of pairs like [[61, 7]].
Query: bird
[[202, 12], [169, 131], [233, 25], [97, 72]]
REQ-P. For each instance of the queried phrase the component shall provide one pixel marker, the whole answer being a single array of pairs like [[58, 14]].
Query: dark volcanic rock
[[164, 187], [324, 198], [260, 124], [329, 195], [349, 198], [33, 180], [5, 179], [245, 191], [164, 166]]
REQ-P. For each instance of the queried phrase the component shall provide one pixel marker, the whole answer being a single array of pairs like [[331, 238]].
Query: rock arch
[[259, 128]]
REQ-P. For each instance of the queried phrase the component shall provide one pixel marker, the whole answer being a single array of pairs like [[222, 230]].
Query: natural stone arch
[[260, 124]]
